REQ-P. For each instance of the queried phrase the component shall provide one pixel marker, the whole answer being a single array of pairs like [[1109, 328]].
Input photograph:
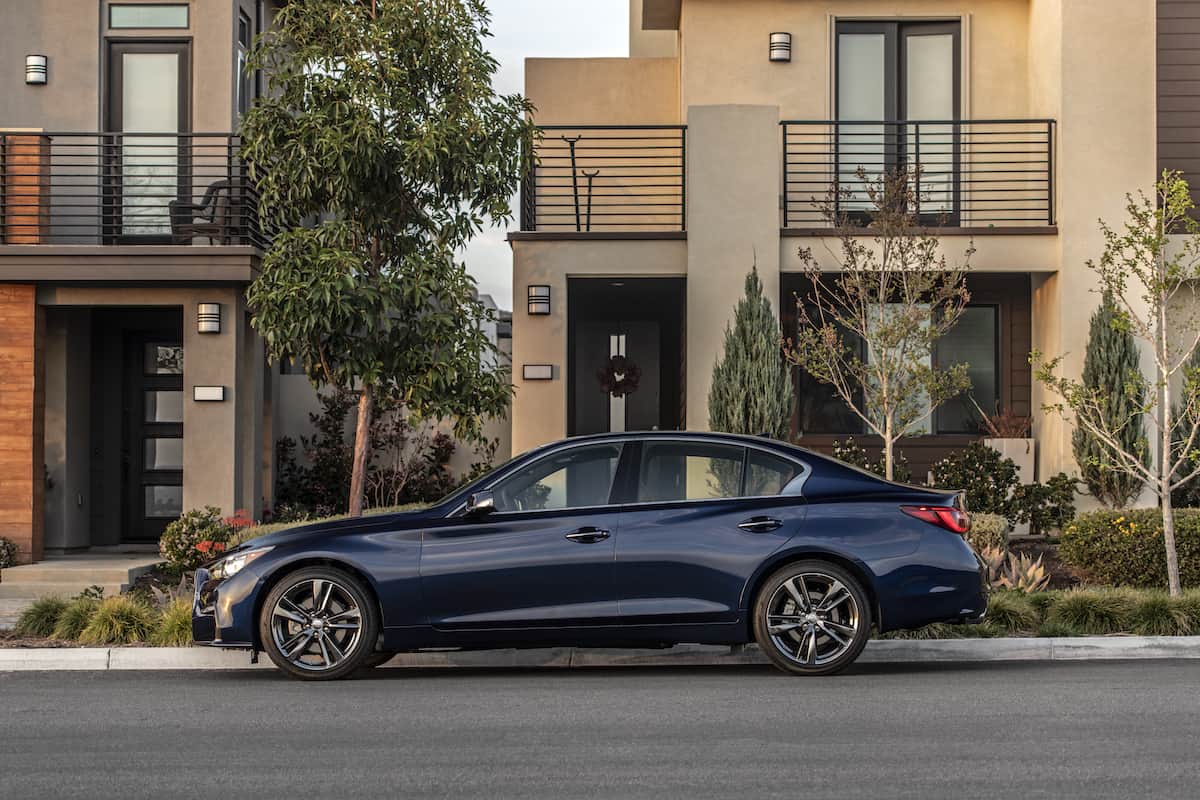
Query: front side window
[[675, 471], [581, 477]]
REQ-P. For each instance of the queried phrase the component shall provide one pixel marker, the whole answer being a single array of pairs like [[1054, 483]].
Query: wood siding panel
[[21, 424], [24, 188], [1179, 89]]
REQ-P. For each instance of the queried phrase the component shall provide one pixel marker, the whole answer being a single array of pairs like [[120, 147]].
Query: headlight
[[233, 564]]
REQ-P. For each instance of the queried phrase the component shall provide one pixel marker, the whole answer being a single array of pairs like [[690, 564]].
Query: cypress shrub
[[1111, 358], [751, 389]]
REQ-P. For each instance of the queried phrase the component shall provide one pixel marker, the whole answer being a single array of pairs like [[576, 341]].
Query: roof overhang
[[660, 15]]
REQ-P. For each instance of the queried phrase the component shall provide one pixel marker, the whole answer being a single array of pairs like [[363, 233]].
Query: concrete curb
[[1082, 648]]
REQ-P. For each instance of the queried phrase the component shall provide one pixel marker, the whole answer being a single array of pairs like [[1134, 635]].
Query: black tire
[[316, 630], [826, 641]]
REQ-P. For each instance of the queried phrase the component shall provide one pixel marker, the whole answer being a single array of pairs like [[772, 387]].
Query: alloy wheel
[[813, 619], [316, 624]]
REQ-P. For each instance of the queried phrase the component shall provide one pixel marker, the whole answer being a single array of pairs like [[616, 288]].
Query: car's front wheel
[[812, 618], [319, 623]]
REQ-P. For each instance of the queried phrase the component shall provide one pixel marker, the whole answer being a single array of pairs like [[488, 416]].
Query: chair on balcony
[[211, 218]]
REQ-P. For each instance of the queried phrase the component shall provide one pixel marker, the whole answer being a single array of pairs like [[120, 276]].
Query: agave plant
[[1024, 574], [1014, 571]]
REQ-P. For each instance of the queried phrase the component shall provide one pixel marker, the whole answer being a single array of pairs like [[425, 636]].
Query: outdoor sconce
[[538, 372], [539, 300], [36, 70], [208, 318], [781, 46]]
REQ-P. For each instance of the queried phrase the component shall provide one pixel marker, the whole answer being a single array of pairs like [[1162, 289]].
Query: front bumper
[[223, 610]]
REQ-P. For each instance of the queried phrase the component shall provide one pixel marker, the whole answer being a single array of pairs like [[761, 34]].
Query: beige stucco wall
[[733, 224], [649, 44], [724, 52], [1105, 104], [603, 91], [540, 407]]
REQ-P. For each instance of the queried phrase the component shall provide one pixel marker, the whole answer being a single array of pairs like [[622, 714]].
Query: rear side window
[[767, 475], [672, 471]]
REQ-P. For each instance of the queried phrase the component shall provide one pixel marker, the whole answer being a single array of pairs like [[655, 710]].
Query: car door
[[704, 517], [542, 558]]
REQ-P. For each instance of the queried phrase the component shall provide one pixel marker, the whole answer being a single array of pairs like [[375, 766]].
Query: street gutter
[[1082, 648]]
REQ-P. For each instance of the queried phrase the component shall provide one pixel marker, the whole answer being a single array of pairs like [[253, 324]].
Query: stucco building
[[132, 385], [663, 176]]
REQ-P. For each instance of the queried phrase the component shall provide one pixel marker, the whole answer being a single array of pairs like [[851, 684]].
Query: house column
[[214, 450], [733, 184], [1094, 73], [22, 397]]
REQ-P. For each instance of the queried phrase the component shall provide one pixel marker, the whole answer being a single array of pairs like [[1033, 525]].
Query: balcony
[[976, 176], [607, 180], [135, 189]]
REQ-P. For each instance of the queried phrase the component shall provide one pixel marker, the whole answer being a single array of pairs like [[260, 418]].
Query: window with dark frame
[[974, 340], [245, 80]]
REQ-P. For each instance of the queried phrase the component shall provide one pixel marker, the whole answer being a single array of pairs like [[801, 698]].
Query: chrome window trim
[[794, 487]]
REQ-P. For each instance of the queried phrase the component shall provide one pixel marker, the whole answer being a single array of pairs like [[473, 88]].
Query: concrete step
[[32, 591], [20, 576]]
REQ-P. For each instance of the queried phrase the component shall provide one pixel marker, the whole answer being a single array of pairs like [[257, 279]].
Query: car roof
[[703, 436]]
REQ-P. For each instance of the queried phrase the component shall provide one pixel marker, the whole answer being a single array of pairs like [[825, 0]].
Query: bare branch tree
[[869, 324], [1149, 268]]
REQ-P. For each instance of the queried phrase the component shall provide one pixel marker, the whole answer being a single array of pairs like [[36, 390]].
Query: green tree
[[1149, 268], [380, 128], [1110, 370], [877, 309], [751, 388]]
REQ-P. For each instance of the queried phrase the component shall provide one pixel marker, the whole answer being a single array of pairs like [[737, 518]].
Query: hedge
[[1125, 548], [988, 530]]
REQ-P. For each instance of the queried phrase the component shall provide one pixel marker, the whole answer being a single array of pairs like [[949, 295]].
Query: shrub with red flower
[[197, 536]]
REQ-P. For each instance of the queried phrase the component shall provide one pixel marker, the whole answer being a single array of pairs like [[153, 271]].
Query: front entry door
[[152, 458], [543, 559]]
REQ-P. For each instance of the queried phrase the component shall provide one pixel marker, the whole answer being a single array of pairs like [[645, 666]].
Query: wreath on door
[[619, 376]]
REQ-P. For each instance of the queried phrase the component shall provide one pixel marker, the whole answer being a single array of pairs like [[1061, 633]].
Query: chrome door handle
[[588, 535], [760, 524]]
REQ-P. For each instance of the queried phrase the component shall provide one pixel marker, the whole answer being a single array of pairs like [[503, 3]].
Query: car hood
[[397, 521]]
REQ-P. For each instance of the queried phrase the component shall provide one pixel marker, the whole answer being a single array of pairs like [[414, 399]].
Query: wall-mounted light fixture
[[208, 318], [208, 394], [539, 299], [781, 46], [538, 372], [36, 69]]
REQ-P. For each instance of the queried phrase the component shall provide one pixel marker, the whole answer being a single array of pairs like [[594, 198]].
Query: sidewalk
[[1081, 648]]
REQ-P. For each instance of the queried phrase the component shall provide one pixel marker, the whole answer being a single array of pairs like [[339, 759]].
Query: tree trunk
[[1165, 461], [889, 448], [362, 444]]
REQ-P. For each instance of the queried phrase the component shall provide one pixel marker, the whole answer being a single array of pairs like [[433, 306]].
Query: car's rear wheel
[[812, 618], [319, 623]]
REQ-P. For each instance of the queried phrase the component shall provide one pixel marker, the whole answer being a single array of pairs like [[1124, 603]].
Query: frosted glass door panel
[[149, 164], [929, 95], [861, 95]]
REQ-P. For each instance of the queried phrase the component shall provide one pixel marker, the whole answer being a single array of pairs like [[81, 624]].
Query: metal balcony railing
[[606, 178], [973, 173], [127, 188]]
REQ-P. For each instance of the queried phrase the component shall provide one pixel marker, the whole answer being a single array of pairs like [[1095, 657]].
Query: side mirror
[[481, 503]]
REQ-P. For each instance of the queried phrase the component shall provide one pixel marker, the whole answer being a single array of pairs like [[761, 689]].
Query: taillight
[[954, 520]]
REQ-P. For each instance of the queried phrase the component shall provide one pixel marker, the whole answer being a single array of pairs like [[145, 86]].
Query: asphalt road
[[1090, 730]]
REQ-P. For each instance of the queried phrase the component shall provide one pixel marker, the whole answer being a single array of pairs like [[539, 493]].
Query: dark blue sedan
[[620, 540]]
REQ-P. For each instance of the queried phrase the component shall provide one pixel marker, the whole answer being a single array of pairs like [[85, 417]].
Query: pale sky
[[539, 28]]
